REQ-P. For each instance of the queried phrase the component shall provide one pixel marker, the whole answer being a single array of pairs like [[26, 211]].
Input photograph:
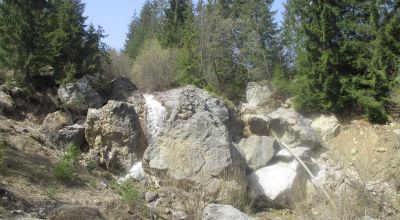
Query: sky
[[115, 16]]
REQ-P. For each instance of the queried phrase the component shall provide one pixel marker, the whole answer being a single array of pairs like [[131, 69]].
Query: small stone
[[150, 197], [397, 131], [103, 185], [353, 151], [380, 150]]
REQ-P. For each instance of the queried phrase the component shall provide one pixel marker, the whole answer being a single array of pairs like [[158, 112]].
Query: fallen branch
[[305, 167]]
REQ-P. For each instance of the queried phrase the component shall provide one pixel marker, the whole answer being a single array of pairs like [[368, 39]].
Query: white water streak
[[155, 117]]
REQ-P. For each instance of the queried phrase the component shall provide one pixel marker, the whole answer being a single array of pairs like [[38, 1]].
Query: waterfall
[[155, 117]]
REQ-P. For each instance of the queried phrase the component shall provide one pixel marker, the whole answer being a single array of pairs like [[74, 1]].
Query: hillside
[[190, 145]]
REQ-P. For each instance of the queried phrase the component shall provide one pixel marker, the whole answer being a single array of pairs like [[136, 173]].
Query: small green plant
[[128, 192], [3, 144], [66, 169], [131, 197], [91, 165], [52, 190]]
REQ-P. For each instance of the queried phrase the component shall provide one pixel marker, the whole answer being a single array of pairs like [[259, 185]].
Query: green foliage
[[3, 145], [130, 196], [46, 42], [220, 45], [66, 168], [154, 67], [127, 192], [344, 55], [91, 165], [280, 84]]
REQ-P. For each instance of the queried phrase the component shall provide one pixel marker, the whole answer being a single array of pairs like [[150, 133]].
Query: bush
[[281, 85], [154, 67], [118, 65], [66, 169], [128, 192], [130, 196]]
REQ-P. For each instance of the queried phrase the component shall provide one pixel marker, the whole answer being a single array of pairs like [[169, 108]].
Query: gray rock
[[6, 102], [258, 150], [327, 126], [56, 121], [74, 134], [194, 144], [112, 132], [293, 129], [184, 102], [223, 212], [258, 124], [150, 197], [80, 96], [121, 89], [258, 93]]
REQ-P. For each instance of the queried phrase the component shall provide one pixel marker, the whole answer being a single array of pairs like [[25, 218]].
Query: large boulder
[[112, 133], [257, 150], [327, 126], [293, 129], [223, 212], [79, 96], [194, 143], [56, 121], [258, 93], [121, 89], [74, 134], [276, 183], [184, 102]]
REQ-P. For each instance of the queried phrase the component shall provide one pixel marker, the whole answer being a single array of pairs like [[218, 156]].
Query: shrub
[[130, 196], [66, 169], [154, 67], [118, 65], [128, 192]]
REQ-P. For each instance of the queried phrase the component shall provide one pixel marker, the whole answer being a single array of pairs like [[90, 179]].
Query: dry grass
[[351, 198]]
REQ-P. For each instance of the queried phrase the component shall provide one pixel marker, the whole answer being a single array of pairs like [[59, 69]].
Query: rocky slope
[[184, 154]]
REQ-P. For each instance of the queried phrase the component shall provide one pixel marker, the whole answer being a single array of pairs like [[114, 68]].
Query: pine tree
[[23, 46], [176, 13], [66, 37], [143, 27]]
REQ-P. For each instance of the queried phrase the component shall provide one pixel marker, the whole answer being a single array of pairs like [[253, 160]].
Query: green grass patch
[[3, 145], [130, 195], [66, 169]]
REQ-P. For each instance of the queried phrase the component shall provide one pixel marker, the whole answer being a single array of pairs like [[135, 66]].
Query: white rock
[[327, 126], [302, 152], [397, 131], [275, 182], [223, 212]]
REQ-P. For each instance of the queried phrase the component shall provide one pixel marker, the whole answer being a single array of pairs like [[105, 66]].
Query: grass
[[3, 145], [66, 169], [130, 195]]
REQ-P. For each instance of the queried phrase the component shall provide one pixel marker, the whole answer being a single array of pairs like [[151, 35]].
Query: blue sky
[[115, 16]]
